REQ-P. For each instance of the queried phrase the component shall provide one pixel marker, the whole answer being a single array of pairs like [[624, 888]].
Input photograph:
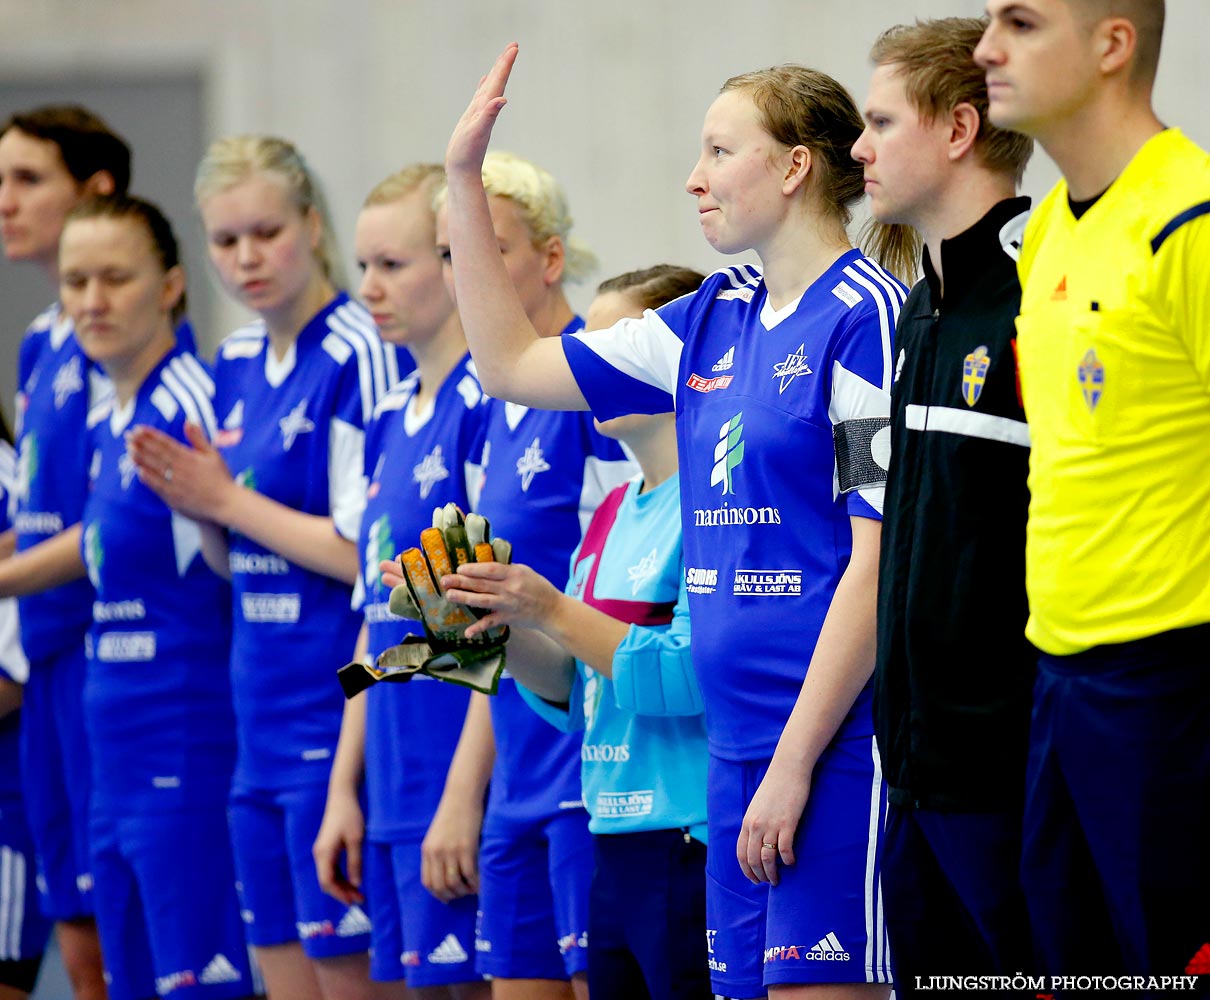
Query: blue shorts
[[416, 936], [1115, 864], [823, 922], [954, 904], [647, 918], [55, 774], [23, 929], [534, 883], [167, 912], [272, 831]]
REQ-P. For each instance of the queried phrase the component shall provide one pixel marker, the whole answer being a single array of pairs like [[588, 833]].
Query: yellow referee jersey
[[1114, 346]]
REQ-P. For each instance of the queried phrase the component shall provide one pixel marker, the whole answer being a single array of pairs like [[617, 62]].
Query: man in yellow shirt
[[1114, 343]]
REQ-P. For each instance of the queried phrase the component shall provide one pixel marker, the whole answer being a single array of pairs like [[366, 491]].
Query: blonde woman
[[281, 494]]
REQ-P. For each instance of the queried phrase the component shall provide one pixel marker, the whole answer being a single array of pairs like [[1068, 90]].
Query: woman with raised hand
[[544, 475], [610, 658], [280, 494], [157, 701], [422, 451], [779, 376]]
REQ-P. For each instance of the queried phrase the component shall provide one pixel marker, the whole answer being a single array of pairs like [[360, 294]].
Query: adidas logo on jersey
[[219, 970], [726, 362], [354, 922], [449, 952], [828, 949]]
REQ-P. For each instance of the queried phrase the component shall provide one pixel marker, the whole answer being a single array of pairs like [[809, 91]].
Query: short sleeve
[[629, 368]]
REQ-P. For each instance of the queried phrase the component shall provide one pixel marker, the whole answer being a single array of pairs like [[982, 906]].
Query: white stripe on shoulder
[[45, 319], [196, 395], [246, 342], [887, 303], [739, 275], [397, 397], [162, 400], [354, 327]]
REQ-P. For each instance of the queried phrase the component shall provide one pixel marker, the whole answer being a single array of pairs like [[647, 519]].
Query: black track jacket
[[954, 675]]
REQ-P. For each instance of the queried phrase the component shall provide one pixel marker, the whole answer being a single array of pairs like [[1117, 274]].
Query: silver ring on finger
[[167, 473]]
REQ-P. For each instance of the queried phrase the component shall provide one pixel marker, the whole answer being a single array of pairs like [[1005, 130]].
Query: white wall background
[[608, 96]]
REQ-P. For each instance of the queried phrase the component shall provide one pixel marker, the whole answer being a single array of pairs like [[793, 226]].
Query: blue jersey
[[757, 392], [416, 462], [157, 698], [56, 387], [13, 665], [544, 473], [293, 430], [644, 753]]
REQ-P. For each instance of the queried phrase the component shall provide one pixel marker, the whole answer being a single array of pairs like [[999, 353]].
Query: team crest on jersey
[[293, 424], [94, 554], [728, 454], [27, 465], [232, 431], [974, 374], [68, 381], [790, 369], [429, 471], [380, 547], [531, 463], [1091, 375], [642, 571]]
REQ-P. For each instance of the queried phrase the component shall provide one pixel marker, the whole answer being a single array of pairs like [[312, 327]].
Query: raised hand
[[469, 141]]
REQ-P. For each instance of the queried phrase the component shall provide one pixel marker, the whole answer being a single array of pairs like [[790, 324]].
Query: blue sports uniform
[[544, 474], [644, 756], [56, 387], [157, 710], [293, 430], [759, 394], [23, 928], [417, 461]]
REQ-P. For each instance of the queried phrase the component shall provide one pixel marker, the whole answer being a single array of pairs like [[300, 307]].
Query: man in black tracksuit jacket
[[954, 671]]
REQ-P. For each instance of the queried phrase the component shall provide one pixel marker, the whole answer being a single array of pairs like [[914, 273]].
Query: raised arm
[[514, 363]]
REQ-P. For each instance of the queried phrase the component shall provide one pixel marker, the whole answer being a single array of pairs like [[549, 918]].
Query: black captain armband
[[863, 452]]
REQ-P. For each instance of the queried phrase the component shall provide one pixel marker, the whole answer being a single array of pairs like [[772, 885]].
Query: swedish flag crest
[[1091, 374], [974, 374]]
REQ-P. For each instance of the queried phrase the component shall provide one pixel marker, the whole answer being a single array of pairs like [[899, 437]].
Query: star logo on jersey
[[94, 554], [790, 369], [728, 453], [974, 374], [1091, 375], [531, 463], [69, 380], [380, 547], [643, 571], [126, 469], [293, 424], [429, 471]]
